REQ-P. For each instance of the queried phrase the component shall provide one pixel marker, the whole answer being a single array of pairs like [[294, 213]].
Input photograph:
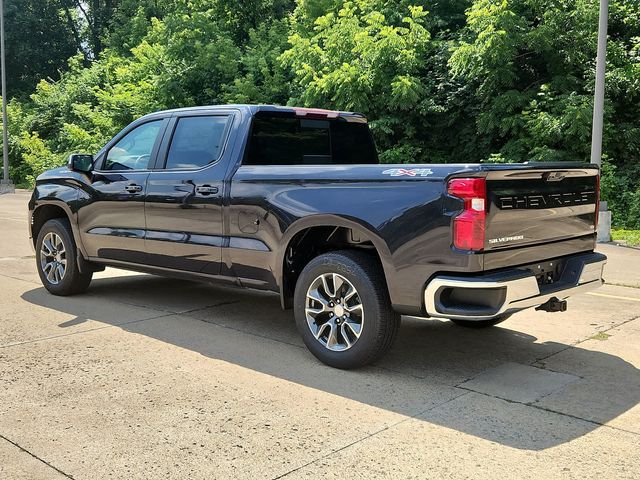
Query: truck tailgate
[[529, 207]]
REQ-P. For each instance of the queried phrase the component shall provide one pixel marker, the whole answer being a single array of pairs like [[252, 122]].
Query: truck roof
[[274, 109]]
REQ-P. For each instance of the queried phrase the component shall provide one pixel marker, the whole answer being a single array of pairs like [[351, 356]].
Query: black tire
[[381, 323], [480, 323], [73, 281]]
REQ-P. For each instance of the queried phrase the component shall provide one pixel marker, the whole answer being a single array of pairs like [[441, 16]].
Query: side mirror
[[80, 162]]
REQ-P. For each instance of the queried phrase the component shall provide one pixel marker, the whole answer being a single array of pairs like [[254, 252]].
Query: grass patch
[[602, 336], [630, 237]]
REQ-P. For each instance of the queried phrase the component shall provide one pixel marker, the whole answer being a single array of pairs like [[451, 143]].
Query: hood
[[59, 172]]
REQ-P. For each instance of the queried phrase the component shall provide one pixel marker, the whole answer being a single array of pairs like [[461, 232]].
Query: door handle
[[206, 189], [133, 188]]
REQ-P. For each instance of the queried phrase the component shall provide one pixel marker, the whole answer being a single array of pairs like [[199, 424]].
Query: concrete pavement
[[145, 377]]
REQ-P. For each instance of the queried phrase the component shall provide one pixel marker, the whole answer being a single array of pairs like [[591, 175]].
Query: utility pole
[[598, 98], [6, 186], [604, 215]]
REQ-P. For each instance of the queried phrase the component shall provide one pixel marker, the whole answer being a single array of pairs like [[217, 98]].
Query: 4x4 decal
[[408, 172]]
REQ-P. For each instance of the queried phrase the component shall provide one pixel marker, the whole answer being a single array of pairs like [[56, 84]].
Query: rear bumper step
[[488, 296]]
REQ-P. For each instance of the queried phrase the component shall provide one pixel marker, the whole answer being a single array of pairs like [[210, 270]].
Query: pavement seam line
[[166, 313], [52, 337], [220, 304], [37, 457], [90, 294], [548, 410], [20, 279], [366, 437], [301, 347], [627, 285], [538, 407], [158, 309], [239, 330], [575, 344], [11, 259]]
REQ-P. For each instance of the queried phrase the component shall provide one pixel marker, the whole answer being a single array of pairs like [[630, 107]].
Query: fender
[[364, 229], [60, 195]]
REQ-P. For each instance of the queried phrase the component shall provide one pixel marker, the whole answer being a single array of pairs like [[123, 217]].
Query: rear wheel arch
[[312, 237]]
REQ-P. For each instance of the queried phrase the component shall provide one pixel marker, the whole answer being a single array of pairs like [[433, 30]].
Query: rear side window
[[197, 141], [294, 141]]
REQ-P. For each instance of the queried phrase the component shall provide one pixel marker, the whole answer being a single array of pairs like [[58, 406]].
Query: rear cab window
[[288, 140]]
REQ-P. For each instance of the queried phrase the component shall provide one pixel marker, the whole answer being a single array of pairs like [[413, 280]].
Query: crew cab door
[[112, 223], [184, 198]]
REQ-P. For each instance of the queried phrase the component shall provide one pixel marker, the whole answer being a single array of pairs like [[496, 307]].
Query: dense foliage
[[454, 81]]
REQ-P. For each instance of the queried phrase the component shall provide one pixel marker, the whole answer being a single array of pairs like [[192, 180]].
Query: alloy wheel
[[334, 311], [53, 258]]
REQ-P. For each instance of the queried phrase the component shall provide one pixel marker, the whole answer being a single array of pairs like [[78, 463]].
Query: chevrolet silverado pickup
[[294, 200]]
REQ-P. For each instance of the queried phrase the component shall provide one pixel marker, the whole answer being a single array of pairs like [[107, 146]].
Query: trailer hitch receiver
[[553, 305]]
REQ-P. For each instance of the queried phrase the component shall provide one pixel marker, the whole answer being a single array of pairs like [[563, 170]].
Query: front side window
[[197, 141], [133, 151]]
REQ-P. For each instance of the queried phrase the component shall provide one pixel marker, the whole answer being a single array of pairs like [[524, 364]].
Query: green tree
[[457, 81], [261, 77], [355, 58], [39, 41], [531, 66]]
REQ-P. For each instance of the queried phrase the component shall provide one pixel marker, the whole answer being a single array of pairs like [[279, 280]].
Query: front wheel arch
[[42, 214], [49, 208]]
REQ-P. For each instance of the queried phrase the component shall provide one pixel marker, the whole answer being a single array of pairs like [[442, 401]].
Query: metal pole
[[5, 135], [598, 98]]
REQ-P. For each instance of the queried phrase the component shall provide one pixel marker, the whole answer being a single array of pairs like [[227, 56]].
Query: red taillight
[[469, 226], [595, 222]]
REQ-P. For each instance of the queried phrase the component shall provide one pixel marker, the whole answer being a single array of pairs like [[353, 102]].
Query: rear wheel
[[480, 323], [343, 311], [57, 261]]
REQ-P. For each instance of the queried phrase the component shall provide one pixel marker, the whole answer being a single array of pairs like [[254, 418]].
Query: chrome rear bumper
[[489, 296]]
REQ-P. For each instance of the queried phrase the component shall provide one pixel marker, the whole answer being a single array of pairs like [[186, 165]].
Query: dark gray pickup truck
[[294, 201]]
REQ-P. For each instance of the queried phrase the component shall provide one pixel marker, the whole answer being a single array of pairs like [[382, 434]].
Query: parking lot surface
[[146, 377]]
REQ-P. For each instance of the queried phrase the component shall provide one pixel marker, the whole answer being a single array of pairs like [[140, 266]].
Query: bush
[[620, 188], [460, 81]]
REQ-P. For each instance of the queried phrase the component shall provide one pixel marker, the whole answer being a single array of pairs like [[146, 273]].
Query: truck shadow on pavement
[[436, 372]]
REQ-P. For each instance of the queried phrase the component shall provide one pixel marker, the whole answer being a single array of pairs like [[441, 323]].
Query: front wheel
[[343, 311], [57, 261]]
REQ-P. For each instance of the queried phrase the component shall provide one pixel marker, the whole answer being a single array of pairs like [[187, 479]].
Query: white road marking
[[613, 296]]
